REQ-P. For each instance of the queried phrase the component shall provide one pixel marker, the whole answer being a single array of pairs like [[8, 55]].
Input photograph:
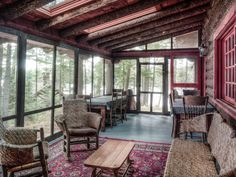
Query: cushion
[[189, 165], [191, 147], [74, 106], [76, 119], [85, 131]]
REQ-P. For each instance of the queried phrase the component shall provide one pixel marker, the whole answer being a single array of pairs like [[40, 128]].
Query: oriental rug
[[149, 160]]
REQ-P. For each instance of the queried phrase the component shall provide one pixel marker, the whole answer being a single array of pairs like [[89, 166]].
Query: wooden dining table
[[178, 111], [102, 104]]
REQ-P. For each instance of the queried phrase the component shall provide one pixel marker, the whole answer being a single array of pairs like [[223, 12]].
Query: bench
[[216, 158]]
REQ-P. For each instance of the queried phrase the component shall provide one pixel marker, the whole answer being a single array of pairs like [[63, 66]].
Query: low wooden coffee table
[[111, 156]]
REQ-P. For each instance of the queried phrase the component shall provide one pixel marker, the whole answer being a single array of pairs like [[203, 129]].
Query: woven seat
[[189, 165], [190, 147]]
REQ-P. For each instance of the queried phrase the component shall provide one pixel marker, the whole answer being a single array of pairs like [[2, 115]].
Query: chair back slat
[[194, 106]]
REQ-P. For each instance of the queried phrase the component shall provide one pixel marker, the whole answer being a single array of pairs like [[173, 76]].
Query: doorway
[[153, 87]]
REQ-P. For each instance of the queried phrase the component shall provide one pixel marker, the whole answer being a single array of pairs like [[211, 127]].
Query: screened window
[[142, 47], [8, 70], [125, 75], [185, 70], [64, 73], [38, 83], [189, 40], [229, 69], [98, 73], [163, 44], [85, 74]]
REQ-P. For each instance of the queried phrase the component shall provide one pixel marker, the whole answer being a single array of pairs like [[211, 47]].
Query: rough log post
[[155, 38], [21, 7], [157, 30], [179, 8], [154, 24], [142, 5], [44, 24]]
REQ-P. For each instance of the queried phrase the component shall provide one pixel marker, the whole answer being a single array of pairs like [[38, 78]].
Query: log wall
[[216, 18]]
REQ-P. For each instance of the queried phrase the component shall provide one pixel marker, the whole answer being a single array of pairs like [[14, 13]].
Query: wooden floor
[[142, 127]]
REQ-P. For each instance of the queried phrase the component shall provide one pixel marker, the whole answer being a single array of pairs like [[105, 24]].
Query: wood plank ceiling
[[112, 25]]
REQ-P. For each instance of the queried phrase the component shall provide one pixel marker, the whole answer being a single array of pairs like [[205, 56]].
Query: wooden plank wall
[[216, 15]]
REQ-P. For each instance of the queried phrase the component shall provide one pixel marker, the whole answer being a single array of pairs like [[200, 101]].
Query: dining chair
[[20, 150], [194, 108], [86, 97]]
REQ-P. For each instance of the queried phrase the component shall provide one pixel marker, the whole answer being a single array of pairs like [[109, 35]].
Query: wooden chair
[[86, 97], [78, 125], [194, 108], [20, 150], [124, 104]]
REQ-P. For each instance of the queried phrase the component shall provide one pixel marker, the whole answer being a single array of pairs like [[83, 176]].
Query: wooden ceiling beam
[[169, 11], [151, 25], [154, 31], [19, 8], [152, 36], [97, 5], [139, 6], [155, 39]]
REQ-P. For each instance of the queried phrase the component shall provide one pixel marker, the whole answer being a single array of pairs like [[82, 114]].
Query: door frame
[[164, 84]]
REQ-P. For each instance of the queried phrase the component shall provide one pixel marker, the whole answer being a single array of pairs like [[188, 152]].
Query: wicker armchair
[[86, 97], [20, 150], [195, 119], [78, 125]]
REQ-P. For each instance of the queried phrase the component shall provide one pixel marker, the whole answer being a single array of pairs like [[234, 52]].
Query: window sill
[[221, 105]]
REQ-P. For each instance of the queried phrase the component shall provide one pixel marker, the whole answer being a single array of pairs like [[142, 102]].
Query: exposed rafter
[[155, 31], [177, 9], [19, 8], [155, 39], [139, 6], [151, 25], [97, 5], [153, 36]]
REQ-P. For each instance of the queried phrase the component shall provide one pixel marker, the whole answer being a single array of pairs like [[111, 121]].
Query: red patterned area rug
[[149, 160]]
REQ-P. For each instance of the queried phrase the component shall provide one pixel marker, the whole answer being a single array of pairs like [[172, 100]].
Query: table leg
[[177, 125], [115, 173], [94, 172]]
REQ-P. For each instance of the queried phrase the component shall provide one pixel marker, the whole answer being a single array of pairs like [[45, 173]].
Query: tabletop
[[178, 107], [111, 155]]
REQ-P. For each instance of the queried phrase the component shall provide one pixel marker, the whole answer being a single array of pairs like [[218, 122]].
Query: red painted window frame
[[196, 85], [219, 63]]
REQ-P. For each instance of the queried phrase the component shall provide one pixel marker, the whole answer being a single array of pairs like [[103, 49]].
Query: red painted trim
[[156, 53], [219, 104]]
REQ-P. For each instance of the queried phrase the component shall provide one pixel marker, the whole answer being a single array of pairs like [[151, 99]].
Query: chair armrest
[[60, 121], [94, 120]]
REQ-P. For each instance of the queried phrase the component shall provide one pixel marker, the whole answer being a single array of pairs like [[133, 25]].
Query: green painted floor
[[142, 127]]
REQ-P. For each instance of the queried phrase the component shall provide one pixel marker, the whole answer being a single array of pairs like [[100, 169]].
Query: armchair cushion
[[20, 136], [85, 131], [94, 120], [13, 155], [75, 120]]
